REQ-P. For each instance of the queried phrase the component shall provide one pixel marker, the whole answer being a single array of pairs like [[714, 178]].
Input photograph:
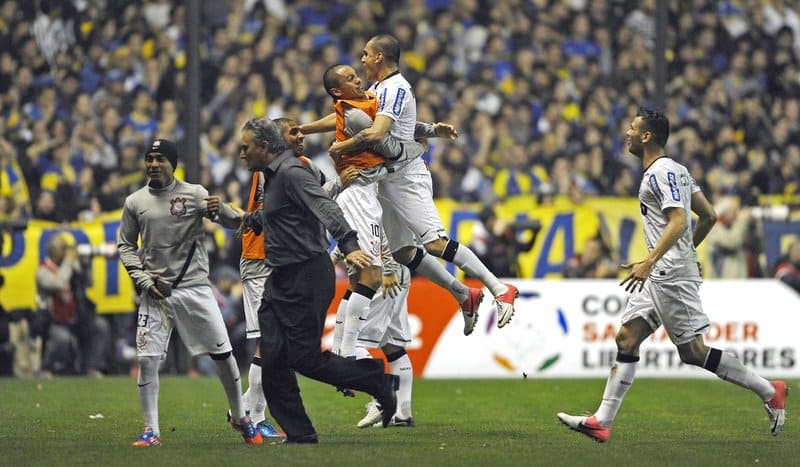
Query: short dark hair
[[265, 131], [283, 122], [389, 46], [656, 123], [330, 80]]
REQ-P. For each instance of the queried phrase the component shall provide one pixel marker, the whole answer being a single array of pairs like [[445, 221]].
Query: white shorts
[[363, 212], [253, 291], [675, 304], [193, 311], [409, 212], [387, 321]]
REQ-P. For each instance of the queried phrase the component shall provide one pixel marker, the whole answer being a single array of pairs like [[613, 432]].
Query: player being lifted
[[355, 110], [406, 194]]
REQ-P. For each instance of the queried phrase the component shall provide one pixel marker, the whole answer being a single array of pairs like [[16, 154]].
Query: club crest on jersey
[[178, 206]]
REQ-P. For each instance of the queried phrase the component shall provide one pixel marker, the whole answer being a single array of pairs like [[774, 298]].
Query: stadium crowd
[[539, 90]]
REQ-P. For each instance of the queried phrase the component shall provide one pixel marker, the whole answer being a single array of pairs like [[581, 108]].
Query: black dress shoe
[[305, 439], [387, 397]]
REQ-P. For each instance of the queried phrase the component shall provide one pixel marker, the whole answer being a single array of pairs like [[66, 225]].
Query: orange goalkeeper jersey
[[252, 244], [363, 159]]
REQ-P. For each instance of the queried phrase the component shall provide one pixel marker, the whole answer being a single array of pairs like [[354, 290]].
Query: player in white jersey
[[171, 271], [406, 194], [665, 285], [386, 327], [355, 110]]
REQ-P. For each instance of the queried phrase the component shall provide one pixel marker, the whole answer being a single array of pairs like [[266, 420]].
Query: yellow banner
[[565, 228], [111, 288]]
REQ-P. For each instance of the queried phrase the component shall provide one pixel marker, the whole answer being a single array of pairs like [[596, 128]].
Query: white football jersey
[[396, 101], [668, 184]]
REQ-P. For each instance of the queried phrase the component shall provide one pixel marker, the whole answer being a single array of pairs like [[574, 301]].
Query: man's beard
[[156, 183]]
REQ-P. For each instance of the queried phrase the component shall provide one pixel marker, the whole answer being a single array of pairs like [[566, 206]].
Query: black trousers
[[292, 318]]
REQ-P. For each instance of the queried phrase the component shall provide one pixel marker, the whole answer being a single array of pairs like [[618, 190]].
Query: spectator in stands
[[15, 202], [78, 340], [593, 262], [726, 242], [533, 83], [498, 243], [788, 268], [53, 28]]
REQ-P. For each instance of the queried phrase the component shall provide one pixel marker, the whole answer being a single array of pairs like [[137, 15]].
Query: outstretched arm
[[435, 130], [323, 125]]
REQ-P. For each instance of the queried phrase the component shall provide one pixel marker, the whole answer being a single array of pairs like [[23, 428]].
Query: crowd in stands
[[541, 91]]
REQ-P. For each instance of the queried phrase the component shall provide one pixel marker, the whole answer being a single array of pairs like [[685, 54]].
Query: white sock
[[228, 373], [357, 309], [465, 259], [253, 399], [403, 369], [148, 391], [431, 268], [731, 369], [619, 381], [338, 329]]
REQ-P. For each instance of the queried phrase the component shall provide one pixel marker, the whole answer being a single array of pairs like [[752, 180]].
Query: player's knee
[[148, 365], [692, 354], [627, 344], [439, 246], [371, 277], [407, 255]]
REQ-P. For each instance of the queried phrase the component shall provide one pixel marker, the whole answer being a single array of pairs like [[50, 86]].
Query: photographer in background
[[727, 242], [498, 243], [593, 262], [77, 340]]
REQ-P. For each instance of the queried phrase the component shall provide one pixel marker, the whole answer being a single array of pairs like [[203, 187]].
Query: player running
[[666, 284]]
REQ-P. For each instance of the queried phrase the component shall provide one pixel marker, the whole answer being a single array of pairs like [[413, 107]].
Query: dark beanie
[[167, 149]]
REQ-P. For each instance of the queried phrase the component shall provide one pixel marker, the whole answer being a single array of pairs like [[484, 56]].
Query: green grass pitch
[[459, 422]]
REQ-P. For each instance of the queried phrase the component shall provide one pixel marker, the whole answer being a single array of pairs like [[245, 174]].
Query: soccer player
[[665, 285], [386, 327], [254, 271], [406, 193], [172, 275], [355, 110]]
